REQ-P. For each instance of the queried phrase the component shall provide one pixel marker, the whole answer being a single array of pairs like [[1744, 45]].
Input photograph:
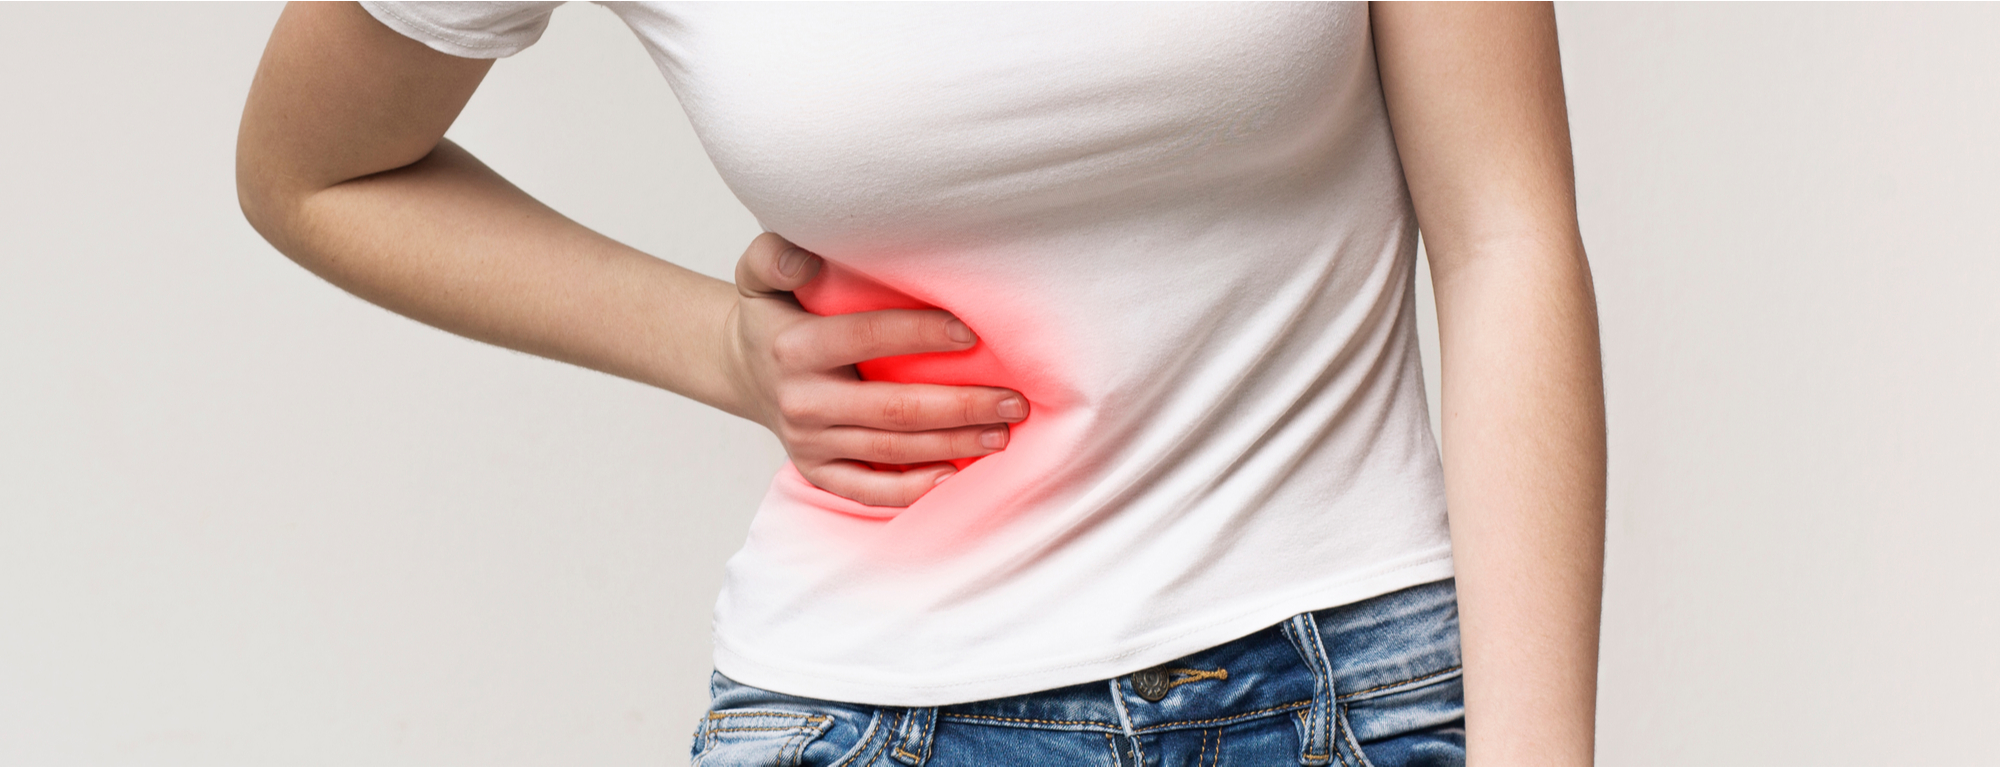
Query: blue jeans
[[1371, 683]]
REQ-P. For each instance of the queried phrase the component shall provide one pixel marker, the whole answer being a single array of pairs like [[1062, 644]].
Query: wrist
[[734, 390]]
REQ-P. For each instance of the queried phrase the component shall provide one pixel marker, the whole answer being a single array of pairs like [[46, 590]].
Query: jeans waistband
[[1366, 649], [1320, 668]]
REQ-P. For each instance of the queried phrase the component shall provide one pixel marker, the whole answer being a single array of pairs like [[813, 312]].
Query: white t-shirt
[[1180, 230]]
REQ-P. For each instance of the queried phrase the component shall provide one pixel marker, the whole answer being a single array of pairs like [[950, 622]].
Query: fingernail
[[958, 331], [1012, 408], [994, 438], [942, 476], [790, 261]]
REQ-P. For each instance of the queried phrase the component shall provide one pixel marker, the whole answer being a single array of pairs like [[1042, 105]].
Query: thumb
[[773, 264]]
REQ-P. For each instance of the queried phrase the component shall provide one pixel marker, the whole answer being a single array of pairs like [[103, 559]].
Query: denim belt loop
[[1319, 745], [913, 736], [1328, 736]]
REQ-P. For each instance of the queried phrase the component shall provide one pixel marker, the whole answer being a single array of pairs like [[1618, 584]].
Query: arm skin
[[1476, 100], [343, 166]]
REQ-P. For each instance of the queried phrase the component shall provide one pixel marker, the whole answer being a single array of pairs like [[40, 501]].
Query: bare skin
[[342, 165], [1475, 95]]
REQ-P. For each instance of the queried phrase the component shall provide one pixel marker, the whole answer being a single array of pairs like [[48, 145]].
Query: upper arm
[[339, 96], [1475, 97]]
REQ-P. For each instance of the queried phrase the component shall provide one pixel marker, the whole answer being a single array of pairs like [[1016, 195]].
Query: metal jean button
[[1152, 684]]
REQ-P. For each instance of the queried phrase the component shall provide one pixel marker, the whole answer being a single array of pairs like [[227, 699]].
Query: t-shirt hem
[[444, 40], [824, 684]]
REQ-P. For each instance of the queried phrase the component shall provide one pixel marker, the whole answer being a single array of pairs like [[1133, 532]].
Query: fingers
[[835, 426], [774, 265], [902, 407], [911, 448], [845, 339], [876, 488]]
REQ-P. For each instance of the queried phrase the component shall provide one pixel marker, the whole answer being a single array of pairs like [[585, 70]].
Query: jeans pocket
[[757, 737], [1417, 724]]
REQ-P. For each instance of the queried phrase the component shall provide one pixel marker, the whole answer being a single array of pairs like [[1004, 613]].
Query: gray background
[[246, 519]]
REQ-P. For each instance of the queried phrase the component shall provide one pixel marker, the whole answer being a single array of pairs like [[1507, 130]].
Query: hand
[[795, 373]]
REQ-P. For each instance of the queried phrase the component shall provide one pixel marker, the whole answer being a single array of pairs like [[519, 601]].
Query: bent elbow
[[263, 201]]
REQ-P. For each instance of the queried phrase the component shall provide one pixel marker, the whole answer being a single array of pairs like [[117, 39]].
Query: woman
[[1088, 330]]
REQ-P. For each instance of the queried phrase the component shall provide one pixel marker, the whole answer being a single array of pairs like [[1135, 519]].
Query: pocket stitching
[[805, 729], [1395, 687], [861, 746], [1347, 733]]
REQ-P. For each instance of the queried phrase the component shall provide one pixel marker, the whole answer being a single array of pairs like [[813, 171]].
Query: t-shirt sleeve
[[470, 30]]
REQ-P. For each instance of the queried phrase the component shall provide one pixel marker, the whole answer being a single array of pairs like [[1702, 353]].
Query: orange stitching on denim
[[916, 758], [867, 737], [1222, 719], [1111, 741], [1305, 725], [1411, 680], [1335, 746], [1195, 675], [913, 757], [901, 721], [1340, 721], [790, 754], [792, 749], [892, 736]]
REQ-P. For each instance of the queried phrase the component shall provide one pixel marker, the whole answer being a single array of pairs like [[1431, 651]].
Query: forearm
[[1524, 460], [450, 243], [341, 163]]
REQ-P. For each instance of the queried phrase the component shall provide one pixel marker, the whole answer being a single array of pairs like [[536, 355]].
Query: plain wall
[[246, 519]]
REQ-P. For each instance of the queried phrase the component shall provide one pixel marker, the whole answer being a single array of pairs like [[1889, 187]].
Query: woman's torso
[[1180, 230]]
